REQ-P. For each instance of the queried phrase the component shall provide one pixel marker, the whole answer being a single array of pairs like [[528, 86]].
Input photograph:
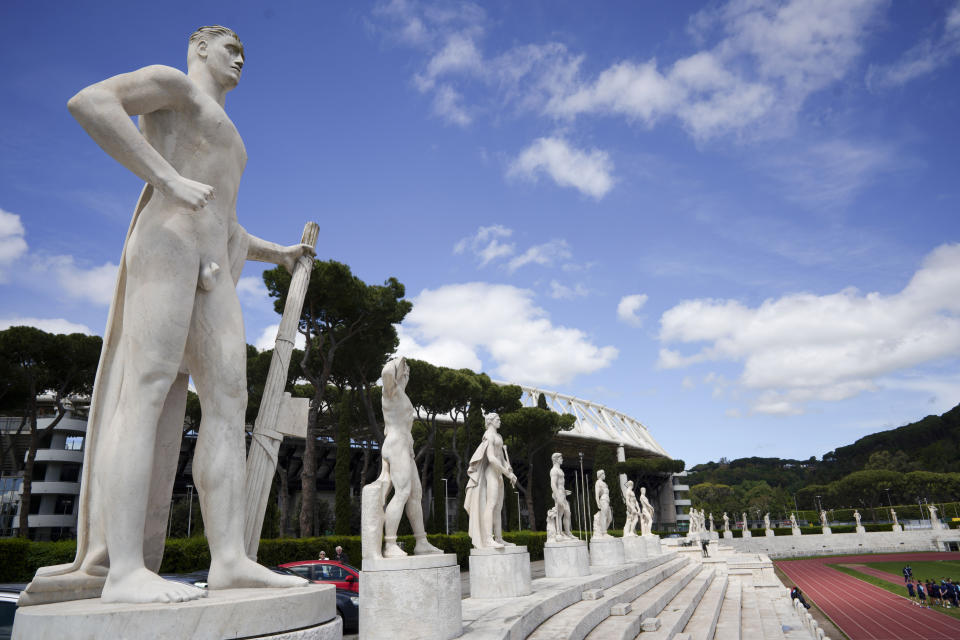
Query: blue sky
[[733, 221]]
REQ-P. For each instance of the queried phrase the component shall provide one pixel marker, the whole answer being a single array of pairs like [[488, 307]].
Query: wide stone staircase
[[677, 595]]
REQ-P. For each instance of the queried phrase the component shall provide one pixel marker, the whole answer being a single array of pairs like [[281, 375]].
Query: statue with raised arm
[[560, 493], [175, 315], [646, 513], [934, 519], [483, 499], [398, 472], [603, 518], [823, 517], [726, 521]]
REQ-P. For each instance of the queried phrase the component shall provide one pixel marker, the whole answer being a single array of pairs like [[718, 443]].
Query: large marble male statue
[[175, 313], [646, 513], [633, 510], [560, 493], [603, 518]]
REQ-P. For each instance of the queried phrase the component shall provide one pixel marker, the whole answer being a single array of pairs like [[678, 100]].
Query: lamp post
[[519, 526], [190, 512], [888, 497], [583, 487], [446, 518]]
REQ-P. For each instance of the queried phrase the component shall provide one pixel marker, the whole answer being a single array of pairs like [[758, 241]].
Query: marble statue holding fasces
[[483, 499], [561, 505], [398, 473], [646, 513], [603, 518], [175, 315]]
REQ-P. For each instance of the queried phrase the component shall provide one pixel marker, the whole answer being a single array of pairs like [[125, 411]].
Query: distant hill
[[930, 444]]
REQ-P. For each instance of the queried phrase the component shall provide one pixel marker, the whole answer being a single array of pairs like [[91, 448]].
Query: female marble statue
[[603, 518], [399, 466], [484, 495]]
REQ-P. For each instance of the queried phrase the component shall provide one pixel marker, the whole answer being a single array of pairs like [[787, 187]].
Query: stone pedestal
[[302, 613], [411, 598], [714, 535], [747, 534], [634, 548], [898, 528], [566, 559], [861, 529], [653, 544], [769, 533], [827, 531], [728, 535], [795, 531], [606, 551], [499, 573]]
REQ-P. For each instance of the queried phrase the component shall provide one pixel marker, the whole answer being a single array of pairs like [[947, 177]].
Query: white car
[[8, 608]]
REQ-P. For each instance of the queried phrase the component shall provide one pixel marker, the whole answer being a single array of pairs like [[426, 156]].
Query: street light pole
[[446, 518], [190, 512], [888, 497], [519, 526]]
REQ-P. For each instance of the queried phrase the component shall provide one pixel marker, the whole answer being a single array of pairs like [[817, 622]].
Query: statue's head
[[643, 491], [395, 375], [601, 475], [492, 421], [557, 458], [629, 484], [219, 52]]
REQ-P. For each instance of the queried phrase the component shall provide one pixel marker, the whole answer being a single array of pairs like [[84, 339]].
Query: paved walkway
[[866, 612]]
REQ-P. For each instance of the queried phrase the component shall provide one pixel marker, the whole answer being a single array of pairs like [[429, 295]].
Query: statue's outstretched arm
[[264, 251], [104, 109]]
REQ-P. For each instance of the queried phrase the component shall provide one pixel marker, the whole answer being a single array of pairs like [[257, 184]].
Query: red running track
[[863, 611]]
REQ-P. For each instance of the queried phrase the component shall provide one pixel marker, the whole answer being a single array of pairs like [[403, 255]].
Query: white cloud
[[560, 291], [485, 244], [250, 289], [268, 338], [587, 171], [448, 104], [12, 243], [50, 325], [441, 352], [925, 57], [459, 322], [94, 284], [803, 348], [628, 307], [543, 254]]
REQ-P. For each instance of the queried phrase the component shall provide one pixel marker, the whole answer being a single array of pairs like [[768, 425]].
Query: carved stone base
[[229, 613], [795, 531], [861, 529], [728, 535], [411, 602], [826, 530], [499, 573], [747, 534], [567, 559], [634, 548], [606, 551], [653, 544], [769, 533], [898, 528]]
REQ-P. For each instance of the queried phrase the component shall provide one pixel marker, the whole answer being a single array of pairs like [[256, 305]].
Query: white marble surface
[[653, 544], [567, 559], [499, 573], [634, 548], [605, 552], [430, 561], [483, 498], [410, 604], [227, 613]]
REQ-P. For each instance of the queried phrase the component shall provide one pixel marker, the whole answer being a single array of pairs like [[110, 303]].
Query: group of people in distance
[[942, 594]]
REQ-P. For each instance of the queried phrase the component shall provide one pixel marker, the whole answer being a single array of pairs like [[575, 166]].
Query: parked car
[[348, 608], [341, 574], [195, 579], [8, 608]]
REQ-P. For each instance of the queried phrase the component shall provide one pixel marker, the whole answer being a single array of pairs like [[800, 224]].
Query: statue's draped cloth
[[475, 496], [85, 576]]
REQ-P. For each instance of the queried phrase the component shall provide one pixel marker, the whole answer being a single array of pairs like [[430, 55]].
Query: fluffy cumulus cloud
[[489, 245], [90, 284], [751, 66], [12, 242], [927, 56], [499, 329], [589, 172], [50, 325], [803, 348], [628, 307]]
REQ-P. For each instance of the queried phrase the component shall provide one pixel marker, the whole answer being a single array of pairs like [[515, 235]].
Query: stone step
[[703, 622], [677, 613], [645, 607], [750, 624], [728, 624], [516, 618], [772, 629], [790, 622], [579, 619]]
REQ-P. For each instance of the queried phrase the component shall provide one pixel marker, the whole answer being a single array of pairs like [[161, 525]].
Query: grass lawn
[[929, 569]]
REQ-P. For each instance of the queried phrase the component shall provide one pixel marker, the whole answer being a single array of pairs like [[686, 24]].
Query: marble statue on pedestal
[[603, 518], [561, 506], [646, 513], [633, 510], [856, 516], [483, 499], [175, 314], [711, 522], [893, 514], [399, 473], [793, 521], [823, 517], [744, 515], [934, 519], [726, 521], [766, 521]]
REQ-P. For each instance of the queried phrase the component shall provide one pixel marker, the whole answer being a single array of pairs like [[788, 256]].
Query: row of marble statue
[[483, 500]]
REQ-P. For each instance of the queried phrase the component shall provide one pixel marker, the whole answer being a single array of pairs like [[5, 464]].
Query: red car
[[327, 571]]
